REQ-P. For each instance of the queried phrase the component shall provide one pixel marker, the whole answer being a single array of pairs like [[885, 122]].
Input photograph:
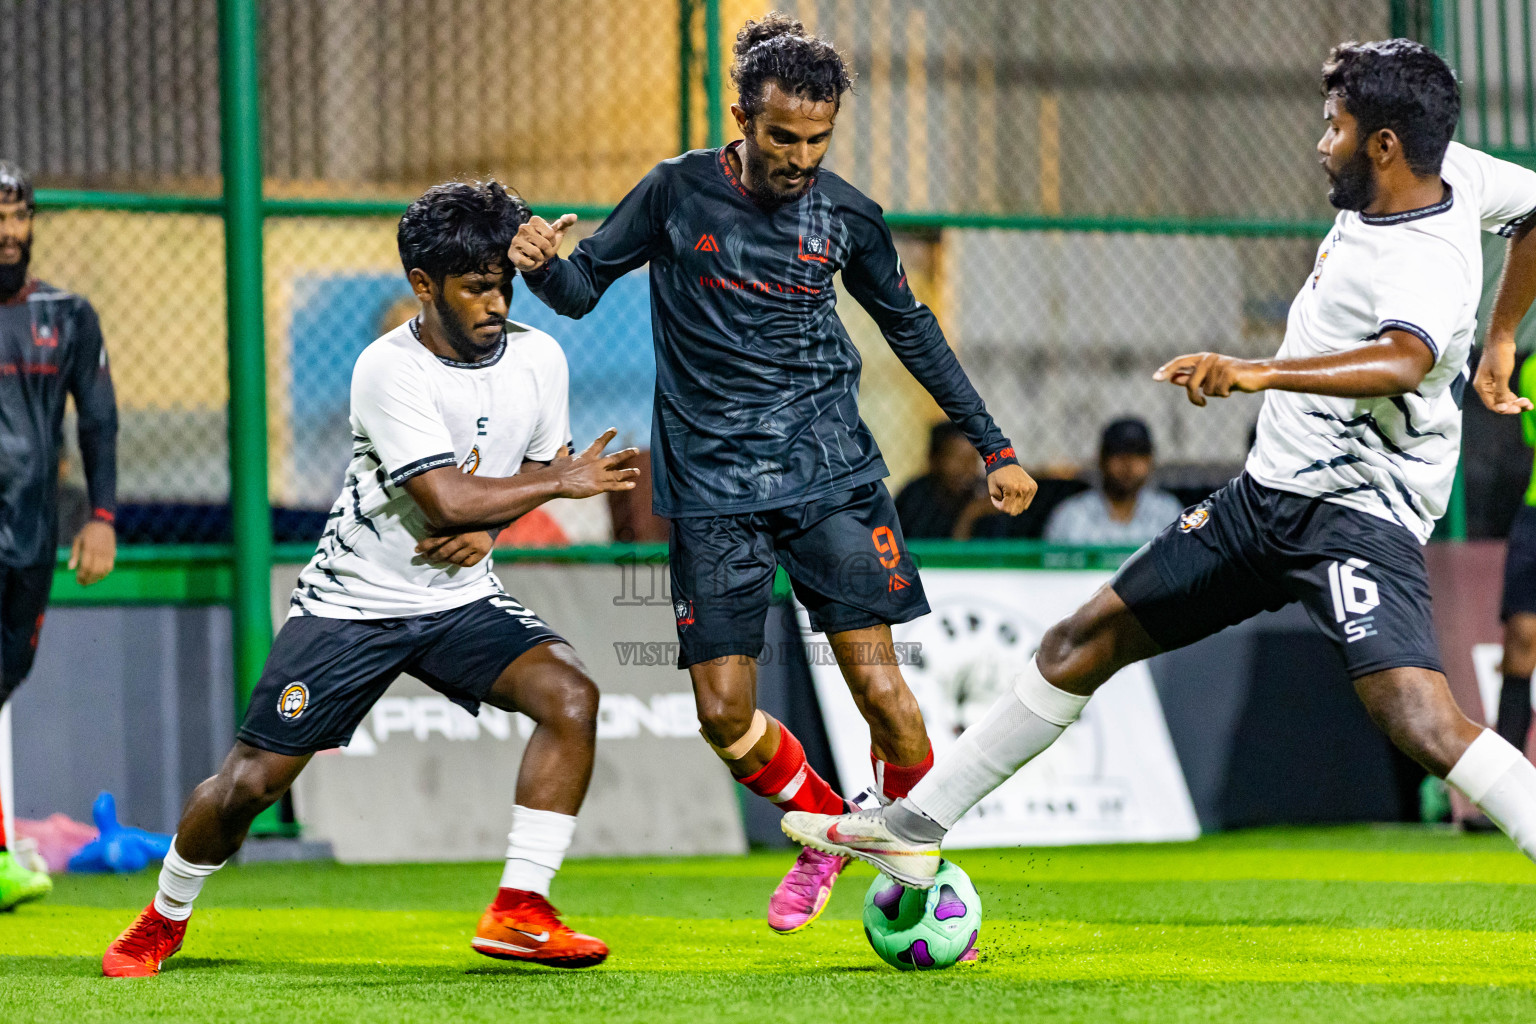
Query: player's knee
[[575, 702], [247, 789], [1060, 649], [724, 720]]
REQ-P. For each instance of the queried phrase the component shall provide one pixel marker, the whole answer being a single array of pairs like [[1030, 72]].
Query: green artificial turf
[[1347, 924]]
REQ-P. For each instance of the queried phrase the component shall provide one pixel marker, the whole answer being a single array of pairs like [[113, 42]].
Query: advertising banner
[[423, 780], [1113, 776]]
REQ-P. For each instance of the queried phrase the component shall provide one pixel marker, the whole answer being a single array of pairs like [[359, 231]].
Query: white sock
[[180, 882], [1022, 723], [535, 847], [1496, 777]]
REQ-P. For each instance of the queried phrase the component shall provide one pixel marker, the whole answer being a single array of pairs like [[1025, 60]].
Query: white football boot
[[865, 835]]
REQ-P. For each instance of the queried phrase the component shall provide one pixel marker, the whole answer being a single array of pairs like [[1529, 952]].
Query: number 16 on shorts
[[1353, 595]]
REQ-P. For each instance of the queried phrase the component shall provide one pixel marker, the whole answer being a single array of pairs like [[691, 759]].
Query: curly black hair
[[1401, 85], [777, 49], [460, 228]]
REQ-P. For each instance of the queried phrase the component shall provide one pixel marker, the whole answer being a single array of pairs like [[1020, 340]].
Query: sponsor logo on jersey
[[813, 247], [471, 462], [706, 243], [293, 701], [1194, 519]]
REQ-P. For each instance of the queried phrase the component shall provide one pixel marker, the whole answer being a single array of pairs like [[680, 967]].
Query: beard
[[763, 188], [459, 338], [1354, 187], [14, 275]]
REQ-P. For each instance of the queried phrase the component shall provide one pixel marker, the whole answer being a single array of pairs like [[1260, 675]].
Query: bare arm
[[1517, 289], [454, 502], [467, 548], [1394, 364]]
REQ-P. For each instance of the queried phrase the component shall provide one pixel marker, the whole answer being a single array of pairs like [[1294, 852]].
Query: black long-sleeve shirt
[[756, 403], [50, 346]]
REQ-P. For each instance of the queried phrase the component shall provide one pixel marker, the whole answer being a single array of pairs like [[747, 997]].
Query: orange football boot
[[144, 946], [523, 926]]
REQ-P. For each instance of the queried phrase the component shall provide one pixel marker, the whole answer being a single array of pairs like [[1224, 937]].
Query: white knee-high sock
[[1496, 777], [535, 848], [180, 882], [1022, 723]]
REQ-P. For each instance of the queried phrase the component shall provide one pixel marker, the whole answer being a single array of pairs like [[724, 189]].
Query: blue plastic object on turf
[[118, 848]]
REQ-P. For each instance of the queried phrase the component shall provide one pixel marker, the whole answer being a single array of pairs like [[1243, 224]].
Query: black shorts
[[844, 554], [1520, 566], [23, 600], [1249, 548], [324, 675]]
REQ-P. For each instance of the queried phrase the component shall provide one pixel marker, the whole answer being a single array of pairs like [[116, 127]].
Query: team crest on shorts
[[293, 701], [684, 610], [1194, 519]]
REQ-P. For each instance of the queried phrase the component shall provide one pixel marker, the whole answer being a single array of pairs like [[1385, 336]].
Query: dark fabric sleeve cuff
[[102, 514], [1509, 229], [538, 278], [1413, 329], [1000, 457], [421, 466]]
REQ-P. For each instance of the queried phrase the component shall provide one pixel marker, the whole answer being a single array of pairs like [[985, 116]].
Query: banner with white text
[[1112, 777]]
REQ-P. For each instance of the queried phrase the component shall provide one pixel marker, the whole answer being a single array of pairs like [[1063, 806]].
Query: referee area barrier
[[1080, 190]]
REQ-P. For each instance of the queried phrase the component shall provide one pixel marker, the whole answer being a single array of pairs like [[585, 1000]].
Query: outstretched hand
[[592, 472], [1491, 383], [1212, 374], [1011, 488], [537, 242]]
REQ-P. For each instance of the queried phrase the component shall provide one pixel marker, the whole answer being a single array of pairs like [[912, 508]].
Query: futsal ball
[[923, 929]]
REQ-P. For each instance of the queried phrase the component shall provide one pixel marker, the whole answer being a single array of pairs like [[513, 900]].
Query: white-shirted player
[[460, 424], [1357, 447]]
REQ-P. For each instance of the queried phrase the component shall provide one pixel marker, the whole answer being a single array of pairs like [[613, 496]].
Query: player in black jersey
[[761, 457], [50, 347]]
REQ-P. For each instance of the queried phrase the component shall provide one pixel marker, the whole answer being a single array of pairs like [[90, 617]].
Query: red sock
[[896, 781], [790, 782]]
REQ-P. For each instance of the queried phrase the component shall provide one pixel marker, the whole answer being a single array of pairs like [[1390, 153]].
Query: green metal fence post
[[240, 131], [684, 75], [714, 86]]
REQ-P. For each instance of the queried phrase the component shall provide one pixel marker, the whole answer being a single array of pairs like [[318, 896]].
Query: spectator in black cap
[[930, 505], [1122, 510]]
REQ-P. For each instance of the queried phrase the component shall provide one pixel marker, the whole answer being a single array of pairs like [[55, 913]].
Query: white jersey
[[1422, 272], [413, 411]]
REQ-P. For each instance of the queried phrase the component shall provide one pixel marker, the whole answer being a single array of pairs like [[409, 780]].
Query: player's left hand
[[1011, 489], [464, 549], [1212, 374], [94, 552], [1494, 370]]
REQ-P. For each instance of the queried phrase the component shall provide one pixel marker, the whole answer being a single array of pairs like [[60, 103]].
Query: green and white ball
[[923, 930]]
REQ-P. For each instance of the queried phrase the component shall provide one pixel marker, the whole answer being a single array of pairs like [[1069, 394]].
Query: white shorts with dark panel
[[1250, 548]]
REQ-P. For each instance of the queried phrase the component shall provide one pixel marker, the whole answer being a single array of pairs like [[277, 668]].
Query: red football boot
[[144, 946], [523, 926]]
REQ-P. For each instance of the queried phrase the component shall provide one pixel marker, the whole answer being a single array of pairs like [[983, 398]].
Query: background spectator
[[1122, 509], [931, 505]]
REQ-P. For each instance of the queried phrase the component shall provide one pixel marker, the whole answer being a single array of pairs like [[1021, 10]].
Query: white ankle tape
[[180, 879], [1046, 700], [1482, 764], [738, 750]]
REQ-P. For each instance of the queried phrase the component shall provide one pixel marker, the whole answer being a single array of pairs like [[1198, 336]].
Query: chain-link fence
[[1081, 189]]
